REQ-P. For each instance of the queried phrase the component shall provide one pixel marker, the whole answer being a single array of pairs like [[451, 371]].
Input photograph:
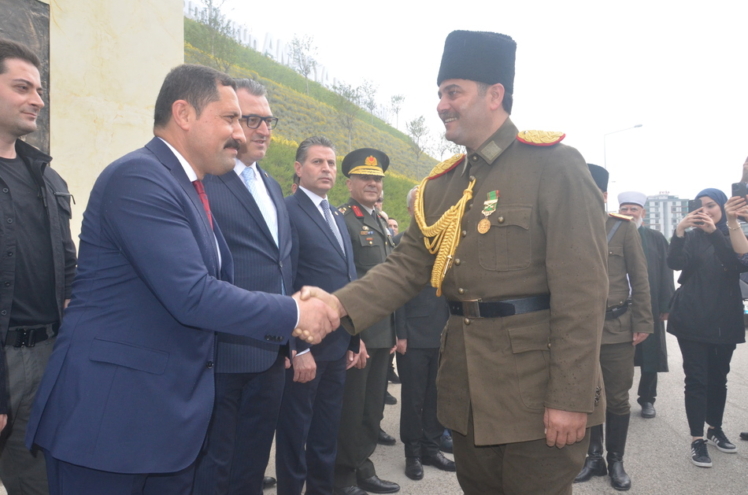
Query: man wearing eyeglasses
[[248, 205]]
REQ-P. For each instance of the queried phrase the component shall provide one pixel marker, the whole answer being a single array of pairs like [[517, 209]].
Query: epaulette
[[540, 138], [445, 166], [621, 217], [357, 211]]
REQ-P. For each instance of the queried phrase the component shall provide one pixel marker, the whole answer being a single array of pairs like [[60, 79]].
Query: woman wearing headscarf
[[707, 318]]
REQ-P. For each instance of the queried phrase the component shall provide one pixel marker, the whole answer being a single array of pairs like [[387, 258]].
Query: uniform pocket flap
[[531, 338], [515, 216], [129, 356]]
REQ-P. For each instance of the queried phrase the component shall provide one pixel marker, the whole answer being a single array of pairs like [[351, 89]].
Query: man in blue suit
[[248, 205], [127, 396], [306, 441]]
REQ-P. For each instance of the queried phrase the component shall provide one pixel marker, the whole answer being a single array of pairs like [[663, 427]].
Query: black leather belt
[[497, 309], [617, 312], [30, 336]]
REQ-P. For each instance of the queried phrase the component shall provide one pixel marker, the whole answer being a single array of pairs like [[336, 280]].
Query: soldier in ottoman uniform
[[512, 235], [628, 321]]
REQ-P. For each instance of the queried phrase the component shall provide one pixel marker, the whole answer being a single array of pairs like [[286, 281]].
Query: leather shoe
[[445, 444], [413, 468], [375, 485], [390, 399], [594, 465], [439, 462], [744, 435], [349, 490], [268, 482], [648, 410], [385, 439]]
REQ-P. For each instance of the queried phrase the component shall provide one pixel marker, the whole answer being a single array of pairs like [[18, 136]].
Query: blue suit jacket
[[129, 387], [319, 261], [259, 264]]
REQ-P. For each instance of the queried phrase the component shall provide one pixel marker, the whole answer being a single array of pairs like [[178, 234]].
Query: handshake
[[319, 314]]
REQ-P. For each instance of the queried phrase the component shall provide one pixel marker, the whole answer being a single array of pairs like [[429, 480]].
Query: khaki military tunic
[[627, 267], [546, 237]]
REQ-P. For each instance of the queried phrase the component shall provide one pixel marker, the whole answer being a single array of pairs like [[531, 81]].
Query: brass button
[[460, 290], [467, 321], [464, 233], [501, 219], [457, 261]]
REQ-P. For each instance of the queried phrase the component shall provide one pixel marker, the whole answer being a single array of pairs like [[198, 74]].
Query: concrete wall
[[107, 62]]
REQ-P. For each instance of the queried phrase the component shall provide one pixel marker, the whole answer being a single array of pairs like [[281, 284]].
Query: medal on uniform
[[489, 206]]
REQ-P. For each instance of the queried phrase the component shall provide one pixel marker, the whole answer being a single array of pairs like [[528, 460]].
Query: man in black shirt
[[37, 263]]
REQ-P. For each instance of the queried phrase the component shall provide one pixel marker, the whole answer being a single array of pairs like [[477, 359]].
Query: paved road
[[657, 456]]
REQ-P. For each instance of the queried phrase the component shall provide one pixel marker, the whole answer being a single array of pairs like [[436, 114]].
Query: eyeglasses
[[254, 121]]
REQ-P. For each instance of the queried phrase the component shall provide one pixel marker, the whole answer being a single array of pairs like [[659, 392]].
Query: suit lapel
[[171, 162], [239, 189], [307, 205]]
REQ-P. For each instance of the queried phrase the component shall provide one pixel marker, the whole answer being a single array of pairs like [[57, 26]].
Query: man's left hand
[[564, 428], [639, 337]]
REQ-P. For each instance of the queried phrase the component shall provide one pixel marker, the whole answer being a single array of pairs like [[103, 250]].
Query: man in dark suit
[[419, 327], [248, 205], [363, 401], [313, 397], [127, 396]]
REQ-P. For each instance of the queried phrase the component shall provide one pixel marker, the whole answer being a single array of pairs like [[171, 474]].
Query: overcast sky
[[587, 68]]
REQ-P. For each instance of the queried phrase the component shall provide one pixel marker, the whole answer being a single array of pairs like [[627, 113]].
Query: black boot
[[616, 429], [594, 465]]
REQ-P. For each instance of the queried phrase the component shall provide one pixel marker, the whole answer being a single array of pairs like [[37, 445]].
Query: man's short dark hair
[[251, 86], [303, 149], [296, 179], [12, 49], [196, 84], [506, 103]]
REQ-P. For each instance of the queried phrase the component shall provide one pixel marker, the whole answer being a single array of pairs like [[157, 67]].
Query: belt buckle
[[22, 335], [471, 309]]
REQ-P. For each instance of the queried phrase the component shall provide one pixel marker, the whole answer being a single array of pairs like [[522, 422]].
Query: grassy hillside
[[303, 115]]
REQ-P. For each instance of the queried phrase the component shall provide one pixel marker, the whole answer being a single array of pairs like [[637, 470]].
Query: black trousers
[[706, 367], [647, 387], [420, 431], [241, 432], [306, 440], [363, 403]]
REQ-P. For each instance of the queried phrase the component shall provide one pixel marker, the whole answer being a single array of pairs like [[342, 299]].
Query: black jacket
[[708, 306], [57, 200]]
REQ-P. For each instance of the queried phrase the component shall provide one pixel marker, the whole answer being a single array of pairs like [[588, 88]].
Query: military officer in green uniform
[[363, 399], [513, 236], [628, 321]]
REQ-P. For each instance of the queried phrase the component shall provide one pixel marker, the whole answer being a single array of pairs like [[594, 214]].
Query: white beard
[[638, 222]]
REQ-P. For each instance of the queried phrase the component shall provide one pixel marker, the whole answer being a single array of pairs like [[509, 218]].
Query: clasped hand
[[319, 314]]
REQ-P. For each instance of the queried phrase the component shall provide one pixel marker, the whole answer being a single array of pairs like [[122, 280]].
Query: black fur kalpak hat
[[479, 56], [600, 176]]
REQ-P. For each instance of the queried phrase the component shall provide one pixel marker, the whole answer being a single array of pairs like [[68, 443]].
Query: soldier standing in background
[[363, 399], [628, 321], [651, 355]]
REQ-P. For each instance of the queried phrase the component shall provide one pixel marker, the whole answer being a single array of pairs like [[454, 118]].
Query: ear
[[605, 196], [183, 114], [348, 184], [495, 94], [297, 167]]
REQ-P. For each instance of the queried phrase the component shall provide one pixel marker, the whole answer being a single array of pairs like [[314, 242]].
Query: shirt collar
[[239, 167], [191, 175], [316, 199]]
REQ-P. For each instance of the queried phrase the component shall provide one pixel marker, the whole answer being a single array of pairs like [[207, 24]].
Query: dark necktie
[[204, 200]]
